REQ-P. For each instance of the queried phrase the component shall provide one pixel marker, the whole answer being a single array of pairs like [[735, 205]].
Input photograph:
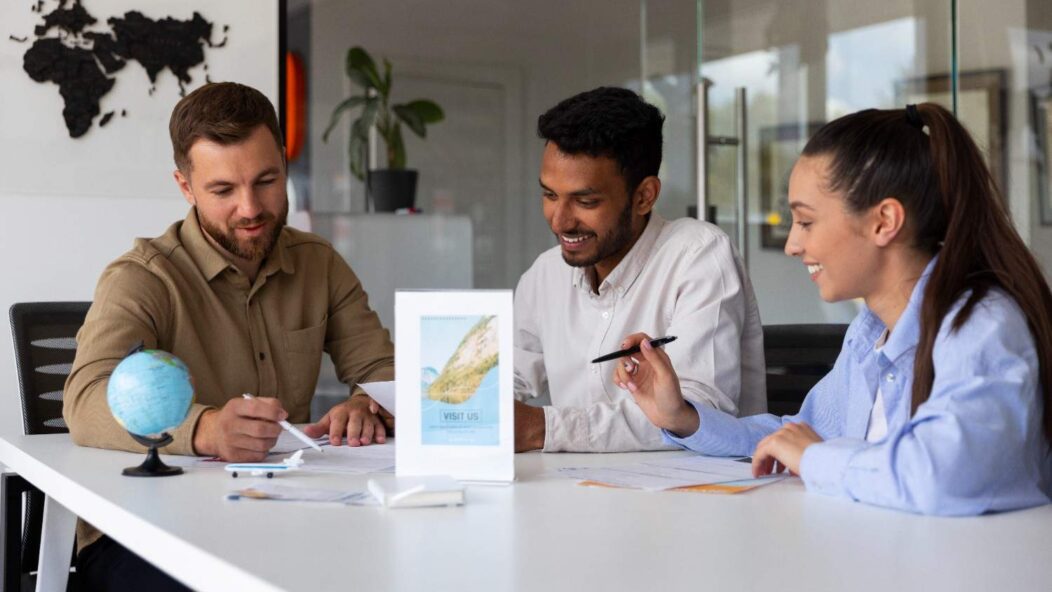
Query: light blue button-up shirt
[[976, 445]]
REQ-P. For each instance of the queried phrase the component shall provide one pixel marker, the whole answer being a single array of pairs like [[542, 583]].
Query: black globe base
[[152, 466]]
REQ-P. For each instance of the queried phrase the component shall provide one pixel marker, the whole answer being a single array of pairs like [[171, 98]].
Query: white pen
[[293, 430]]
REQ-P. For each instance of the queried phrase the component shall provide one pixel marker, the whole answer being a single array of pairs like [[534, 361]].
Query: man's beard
[[254, 249], [610, 245]]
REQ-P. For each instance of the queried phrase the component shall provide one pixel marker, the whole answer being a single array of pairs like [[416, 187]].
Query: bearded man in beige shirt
[[249, 304]]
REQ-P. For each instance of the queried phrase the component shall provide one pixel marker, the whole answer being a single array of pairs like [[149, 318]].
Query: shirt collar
[[625, 273], [279, 258], [211, 262], [205, 256], [907, 329]]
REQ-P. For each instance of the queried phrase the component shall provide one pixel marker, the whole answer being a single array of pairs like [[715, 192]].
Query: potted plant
[[394, 187]]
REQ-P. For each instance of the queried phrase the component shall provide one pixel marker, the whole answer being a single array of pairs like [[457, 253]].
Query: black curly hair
[[611, 122]]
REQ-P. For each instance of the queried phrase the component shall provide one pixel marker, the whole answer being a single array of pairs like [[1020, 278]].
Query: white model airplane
[[288, 464]]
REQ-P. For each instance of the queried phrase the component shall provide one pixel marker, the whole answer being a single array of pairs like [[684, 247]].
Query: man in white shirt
[[620, 269]]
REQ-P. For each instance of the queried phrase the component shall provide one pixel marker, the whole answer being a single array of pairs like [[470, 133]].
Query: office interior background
[[495, 65]]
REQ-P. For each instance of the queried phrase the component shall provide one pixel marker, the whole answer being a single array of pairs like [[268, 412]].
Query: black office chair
[[798, 356], [45, 345]]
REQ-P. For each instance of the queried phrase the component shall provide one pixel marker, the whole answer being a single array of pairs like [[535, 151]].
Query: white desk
[[539, 534]]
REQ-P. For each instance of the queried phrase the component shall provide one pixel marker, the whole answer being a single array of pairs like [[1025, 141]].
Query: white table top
[[542, 533]]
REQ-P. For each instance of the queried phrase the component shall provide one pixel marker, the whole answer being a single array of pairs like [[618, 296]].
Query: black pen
[[633, 350]]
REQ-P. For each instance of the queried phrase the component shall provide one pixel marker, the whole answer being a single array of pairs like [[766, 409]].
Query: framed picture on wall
[[981, 107], [89, 86], [779, 148], [1041, 116]]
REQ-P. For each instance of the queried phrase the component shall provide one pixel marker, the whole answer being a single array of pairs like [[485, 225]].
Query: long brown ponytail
[[926, 159]]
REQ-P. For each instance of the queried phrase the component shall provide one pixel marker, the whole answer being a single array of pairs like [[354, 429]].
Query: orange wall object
[[295, 106]]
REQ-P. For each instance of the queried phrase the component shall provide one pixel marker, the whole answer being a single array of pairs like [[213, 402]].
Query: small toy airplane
[[288, 464]]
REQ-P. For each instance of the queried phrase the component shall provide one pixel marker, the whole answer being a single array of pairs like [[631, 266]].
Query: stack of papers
[[696, 473], [356, 460], [353, 460], [269, 490]]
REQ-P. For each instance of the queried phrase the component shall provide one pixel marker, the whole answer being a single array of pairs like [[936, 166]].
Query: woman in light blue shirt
[[940, 401]]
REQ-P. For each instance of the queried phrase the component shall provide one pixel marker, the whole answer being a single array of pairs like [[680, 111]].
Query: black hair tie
[[913, 117]]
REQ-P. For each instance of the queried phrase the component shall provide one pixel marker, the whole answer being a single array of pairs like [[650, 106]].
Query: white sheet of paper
[[273, 490], [382, 392], [356, 460], [665, 474]]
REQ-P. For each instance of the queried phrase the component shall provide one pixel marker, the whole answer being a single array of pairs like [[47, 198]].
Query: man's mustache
[[262, 218]]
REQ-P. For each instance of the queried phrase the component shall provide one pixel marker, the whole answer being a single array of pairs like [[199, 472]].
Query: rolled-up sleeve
[[976, 445], [131, 305]]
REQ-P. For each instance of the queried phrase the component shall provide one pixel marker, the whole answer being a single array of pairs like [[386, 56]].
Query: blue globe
[[150, 392]]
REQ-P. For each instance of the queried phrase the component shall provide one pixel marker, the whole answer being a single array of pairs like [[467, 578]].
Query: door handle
[[741, 130], [703, 140]]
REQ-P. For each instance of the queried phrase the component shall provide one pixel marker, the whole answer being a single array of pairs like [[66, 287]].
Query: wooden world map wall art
[[69, 49]]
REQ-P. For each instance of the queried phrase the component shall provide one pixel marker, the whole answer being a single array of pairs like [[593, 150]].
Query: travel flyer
[[459, 384]]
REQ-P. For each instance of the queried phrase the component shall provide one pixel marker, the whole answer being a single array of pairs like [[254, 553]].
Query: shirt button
[[890, 377], [595, 370], [606, 315]]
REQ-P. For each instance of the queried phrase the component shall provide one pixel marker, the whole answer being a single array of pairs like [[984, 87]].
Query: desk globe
[[149, 393]]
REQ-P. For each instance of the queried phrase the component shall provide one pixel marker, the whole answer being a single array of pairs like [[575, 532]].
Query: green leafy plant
[[377, 109]]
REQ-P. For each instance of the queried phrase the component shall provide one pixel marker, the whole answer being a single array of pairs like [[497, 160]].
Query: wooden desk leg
[[56, 545]]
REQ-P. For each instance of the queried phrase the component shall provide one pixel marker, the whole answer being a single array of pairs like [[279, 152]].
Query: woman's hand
[[651, 380], [783, 449]]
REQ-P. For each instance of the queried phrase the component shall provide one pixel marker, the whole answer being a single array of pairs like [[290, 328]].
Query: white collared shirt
[[681, 278], [878, 420]]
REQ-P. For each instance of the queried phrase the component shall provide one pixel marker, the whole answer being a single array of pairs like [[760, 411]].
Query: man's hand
[[244, 430], [358, 417], [783, 449], [529, 427], [653, 383]]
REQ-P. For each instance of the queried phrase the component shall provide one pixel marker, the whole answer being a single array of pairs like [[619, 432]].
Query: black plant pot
[[392, 189]]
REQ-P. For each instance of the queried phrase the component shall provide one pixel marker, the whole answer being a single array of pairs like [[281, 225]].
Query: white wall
[[69, 207], [54, 248], [559, 48]]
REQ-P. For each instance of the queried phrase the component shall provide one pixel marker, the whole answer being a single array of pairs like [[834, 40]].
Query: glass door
[[767, 74], [1004, 97]]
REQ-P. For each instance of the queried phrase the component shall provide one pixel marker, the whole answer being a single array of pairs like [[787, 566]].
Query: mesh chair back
[[45, 344], [798, 356]]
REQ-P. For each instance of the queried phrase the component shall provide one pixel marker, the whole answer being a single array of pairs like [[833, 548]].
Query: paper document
[[665, 474], [356, 460], [270, 490], [381, 392]]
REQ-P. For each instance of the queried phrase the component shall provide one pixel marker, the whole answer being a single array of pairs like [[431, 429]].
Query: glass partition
[[767, 73], [1005, 99], [765, 76]]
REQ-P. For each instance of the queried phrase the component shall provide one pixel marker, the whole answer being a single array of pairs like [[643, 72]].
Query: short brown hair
[[223, 112]]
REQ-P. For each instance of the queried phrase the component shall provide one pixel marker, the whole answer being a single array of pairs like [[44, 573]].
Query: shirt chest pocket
[[303, 351]]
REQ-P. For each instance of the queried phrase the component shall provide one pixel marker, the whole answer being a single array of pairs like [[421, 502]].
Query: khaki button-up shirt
[[177, 293]]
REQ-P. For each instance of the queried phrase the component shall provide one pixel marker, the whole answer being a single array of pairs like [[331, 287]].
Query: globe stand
[[152, 466]]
